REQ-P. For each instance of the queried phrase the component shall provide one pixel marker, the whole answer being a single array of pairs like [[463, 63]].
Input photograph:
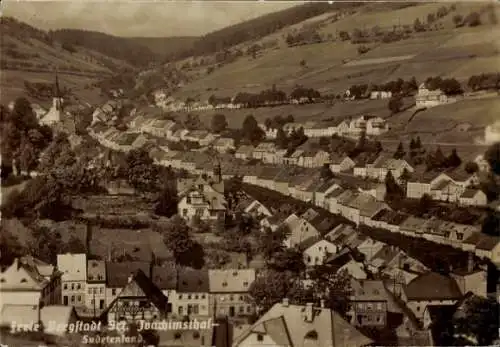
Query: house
[[341, 164], [488, 247], [376, 126], [30, 281], [300, 230], [321, 192], [244, 152], [223, 144], [230, 292], [471, 280], [316, 250], [380, 94], [300, 326], [193, 289], [429, 98], [264, 151], [257, 209], [412, 226], [55, 319], [386, 257], [355, 269], [430, 289], [95, 300], [202, 198], [313, 158], [125, 142], [139, 300], [368, 303], [473, 197], [74, 278], [118, 274], [369, 248]]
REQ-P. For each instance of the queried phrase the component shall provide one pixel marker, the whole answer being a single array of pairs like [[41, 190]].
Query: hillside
[[136, 53], [32, 55], [341, 47], [164, 47]]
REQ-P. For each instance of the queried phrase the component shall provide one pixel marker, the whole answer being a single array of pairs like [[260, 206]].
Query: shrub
[[363, 49]]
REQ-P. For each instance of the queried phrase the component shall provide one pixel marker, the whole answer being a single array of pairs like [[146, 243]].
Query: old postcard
[[249, 173]]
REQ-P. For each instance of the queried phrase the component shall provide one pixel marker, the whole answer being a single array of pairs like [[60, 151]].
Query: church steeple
[[57, 101], [217, 172]]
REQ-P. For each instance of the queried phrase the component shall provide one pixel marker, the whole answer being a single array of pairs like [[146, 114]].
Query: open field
[[302, 113]]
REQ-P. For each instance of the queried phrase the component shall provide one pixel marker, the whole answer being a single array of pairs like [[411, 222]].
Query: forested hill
[[259, 27], [165, 46], [116, 47]]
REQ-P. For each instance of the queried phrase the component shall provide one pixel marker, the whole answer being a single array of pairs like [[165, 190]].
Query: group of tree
[[449, 86], [23, 139], [177, 238], [290, 141], [303, 37], [251, 131], [415, 147], [397, 87], [358, 91], [219, 123], [473, 19], [308, 93], [437, 160], [395, 104], [393, 189], [277, 122], [484, 81], [267, 97]]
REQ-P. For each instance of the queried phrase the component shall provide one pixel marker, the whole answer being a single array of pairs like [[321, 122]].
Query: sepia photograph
[[249, 173]]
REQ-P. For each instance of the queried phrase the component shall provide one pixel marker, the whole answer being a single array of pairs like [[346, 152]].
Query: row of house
[[91, 286], [350, 127]]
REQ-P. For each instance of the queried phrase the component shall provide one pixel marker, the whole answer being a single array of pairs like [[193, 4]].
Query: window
[[242, 298], [78, 286], [184, 212], [242, 309], [203, 296], [260, 338], [196, 309], [418, 308], [189, 297], [72, 286], [113, 292], [180, 296], [72, 298], [224, 284], [308, 259], [245, 284], [79, 298], [196, 297], [231, 297], [65, 286], [101, 290], [90, 290], [181, 310], [249, 309]]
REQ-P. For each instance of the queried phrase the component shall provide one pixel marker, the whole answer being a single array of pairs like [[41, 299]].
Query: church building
[[56, 117]]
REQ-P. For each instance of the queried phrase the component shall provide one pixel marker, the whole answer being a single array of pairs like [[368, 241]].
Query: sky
[[139, 18]]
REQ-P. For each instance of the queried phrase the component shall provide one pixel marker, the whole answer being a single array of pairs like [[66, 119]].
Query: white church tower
[[54, 115]]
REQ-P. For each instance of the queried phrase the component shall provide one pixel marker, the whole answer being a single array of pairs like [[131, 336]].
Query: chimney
[[470, 262], [309, 314], [285, 302]]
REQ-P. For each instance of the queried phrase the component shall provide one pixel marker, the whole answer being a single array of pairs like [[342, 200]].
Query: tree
[[325, 172], [491, 224], [392, 188], [400, 152], [418, 26], [142, 173], [492, 156], [193, 122], [453, 159], [363, 49], [479, 319], [186, 251], [75, 245], [473, 19], [418, 143], [251, 130], [219, 123], [395, 105], [458, 20], [431, 18], [281, 139], [424, 204], [166, 205], [471, 167], [332, 285], [288, 260], [273, 286], [271, 242], [27, 156]]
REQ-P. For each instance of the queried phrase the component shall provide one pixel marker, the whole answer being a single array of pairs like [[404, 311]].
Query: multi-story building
[[30, 281], [193, 290], [74, 278], [368, 303], [95, 298], [229, 291]]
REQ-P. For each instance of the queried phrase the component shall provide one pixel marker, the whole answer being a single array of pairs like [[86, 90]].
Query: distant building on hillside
[[429, 98], [56, 117], [380, 94]]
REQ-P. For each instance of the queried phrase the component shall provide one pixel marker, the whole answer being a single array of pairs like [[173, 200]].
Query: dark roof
[[398, 218], [309, 242], [433, 286], [165, 276], [469, 193], [151, 292], [117, 274], [487, 242], [382, 215], [193, 281]]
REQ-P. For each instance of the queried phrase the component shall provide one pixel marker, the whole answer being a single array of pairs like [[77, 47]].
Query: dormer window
[[235, 273], [224, 284], [313, 335], [24, 280], [245, 284], [260, 337]]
